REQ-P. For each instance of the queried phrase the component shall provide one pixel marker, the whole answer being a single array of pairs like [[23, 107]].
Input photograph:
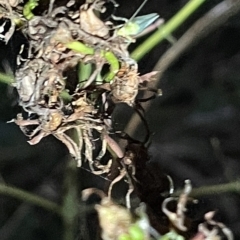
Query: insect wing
[[144, 21]]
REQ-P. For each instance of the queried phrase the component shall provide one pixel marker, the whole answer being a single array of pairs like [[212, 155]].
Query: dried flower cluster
[[60, 40]]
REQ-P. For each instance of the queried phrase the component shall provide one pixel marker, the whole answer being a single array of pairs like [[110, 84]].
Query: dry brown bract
[[41, 84], [210, 229], [114, 219], [127, 83], [81, 120], [90, 23]]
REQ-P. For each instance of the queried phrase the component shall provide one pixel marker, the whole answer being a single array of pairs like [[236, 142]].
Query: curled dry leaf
[[147, 77], [114, 219], [91, 24], [177, 219], [210, 229], [38, 138]]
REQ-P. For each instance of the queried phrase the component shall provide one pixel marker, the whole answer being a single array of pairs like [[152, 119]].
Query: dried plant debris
[[59, 40], [211, 229], [178, 218], [117, 222], [78, 111], [12, 14]]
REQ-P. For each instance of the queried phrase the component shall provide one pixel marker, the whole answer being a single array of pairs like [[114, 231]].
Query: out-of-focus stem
[[165, 30], [200, 29], [30, 198], [6, 78], [204, 26], [70, 209], [232, 187]]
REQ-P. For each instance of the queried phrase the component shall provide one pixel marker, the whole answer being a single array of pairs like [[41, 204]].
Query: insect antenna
[[138, 10]]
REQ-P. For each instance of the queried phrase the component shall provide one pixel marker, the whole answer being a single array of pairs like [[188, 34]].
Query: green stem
[[111, 59], [6, 78], [114, 65], [65, 96], [214, 189], [28, 7], [29, 197], [166, 29], [213, 19], [80, 47], [84, 71], [70, 209]]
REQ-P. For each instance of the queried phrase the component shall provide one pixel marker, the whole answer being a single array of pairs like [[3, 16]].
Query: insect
[[141, 177], [135, 25]]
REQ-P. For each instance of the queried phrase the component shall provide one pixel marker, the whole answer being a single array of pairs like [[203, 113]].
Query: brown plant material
[[90, 23], [114, 219], [178, 218], [210, 229]]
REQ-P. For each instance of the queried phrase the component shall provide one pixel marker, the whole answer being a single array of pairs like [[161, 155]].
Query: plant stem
[[212, 20], [70, 201], [165, 30], [214, 189], [84, 71], [6, 78], [29, 197]]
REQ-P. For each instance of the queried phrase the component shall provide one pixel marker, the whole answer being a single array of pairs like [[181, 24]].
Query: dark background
[[195, 123]]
